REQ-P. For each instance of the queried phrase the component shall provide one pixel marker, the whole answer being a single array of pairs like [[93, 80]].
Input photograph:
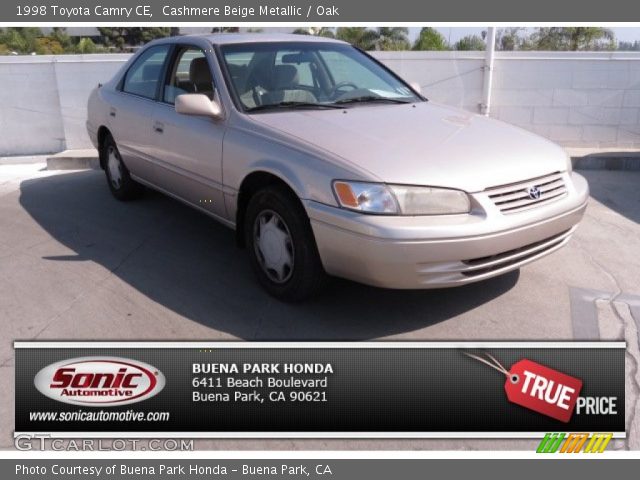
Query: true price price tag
[[538, 388]]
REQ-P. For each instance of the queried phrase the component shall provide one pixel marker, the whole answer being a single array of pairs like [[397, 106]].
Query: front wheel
[[281, 246]]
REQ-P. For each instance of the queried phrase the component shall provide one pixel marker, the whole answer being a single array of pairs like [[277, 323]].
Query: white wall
[[574, 98], [44, 100]]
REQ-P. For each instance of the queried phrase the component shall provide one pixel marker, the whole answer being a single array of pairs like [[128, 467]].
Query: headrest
[[285, 77], [199, 72]]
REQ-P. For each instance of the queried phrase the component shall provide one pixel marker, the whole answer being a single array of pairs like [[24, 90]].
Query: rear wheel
[[122, 186], [281, 246]]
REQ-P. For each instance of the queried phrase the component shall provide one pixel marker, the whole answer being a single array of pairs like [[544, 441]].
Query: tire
[[122, 186], [281, 246]]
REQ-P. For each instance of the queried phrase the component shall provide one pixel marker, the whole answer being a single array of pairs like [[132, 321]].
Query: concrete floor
[[77, 264]]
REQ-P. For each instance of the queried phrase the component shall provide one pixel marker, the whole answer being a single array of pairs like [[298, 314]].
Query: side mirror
[[416, 87], [197, 104]]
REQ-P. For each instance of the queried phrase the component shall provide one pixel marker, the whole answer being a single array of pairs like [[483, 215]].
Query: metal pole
[[485, 106]]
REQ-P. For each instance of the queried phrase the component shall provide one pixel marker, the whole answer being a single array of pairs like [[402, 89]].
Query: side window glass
[[190, 73], [144, 75]]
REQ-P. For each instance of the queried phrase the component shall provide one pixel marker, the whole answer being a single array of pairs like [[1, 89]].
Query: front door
[[188, 149]]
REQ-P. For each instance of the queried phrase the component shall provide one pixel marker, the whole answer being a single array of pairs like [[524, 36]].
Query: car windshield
[[287, 75]]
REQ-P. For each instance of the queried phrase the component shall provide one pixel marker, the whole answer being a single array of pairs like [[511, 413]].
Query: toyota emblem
[[534, 193]]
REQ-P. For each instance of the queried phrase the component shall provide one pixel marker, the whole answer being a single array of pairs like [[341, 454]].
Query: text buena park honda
[[42, 442], [162, 469]]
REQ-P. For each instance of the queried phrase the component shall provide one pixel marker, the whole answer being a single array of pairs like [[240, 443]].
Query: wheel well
[[250, 185], [103, 132]]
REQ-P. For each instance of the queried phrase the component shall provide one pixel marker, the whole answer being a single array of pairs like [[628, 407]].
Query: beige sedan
[[326, 162]]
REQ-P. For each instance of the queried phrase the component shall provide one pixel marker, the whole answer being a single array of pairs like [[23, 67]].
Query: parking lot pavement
[[77, 264]]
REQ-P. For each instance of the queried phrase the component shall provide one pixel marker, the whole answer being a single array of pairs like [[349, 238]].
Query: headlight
[[430, 201], [400, 199]]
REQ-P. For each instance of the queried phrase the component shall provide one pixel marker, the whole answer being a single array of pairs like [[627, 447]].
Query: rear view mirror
[[297, 58], [197, 104]]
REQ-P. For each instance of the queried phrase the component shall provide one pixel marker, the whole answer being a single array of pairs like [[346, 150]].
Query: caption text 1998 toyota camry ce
[[326, 162]]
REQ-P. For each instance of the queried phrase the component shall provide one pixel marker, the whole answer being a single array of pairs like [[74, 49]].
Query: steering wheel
[[340, 85]]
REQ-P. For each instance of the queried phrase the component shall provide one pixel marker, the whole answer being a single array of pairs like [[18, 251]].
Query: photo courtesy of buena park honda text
[[319, 239]]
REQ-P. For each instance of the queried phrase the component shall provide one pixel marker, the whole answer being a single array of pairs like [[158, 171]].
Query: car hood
[[423, 144]]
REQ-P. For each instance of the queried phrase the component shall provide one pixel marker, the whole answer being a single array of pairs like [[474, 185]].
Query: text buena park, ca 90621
[[234, 11]]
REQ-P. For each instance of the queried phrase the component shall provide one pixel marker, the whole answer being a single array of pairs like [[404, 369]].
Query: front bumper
[[443, 251]]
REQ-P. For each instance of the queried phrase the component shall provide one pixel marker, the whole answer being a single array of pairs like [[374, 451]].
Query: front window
[[143, 77], [189, 73], [267, 76]]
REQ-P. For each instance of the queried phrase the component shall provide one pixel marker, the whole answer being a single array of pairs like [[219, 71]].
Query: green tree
[[384, 38], [392, 38], [48, 46], [361, 37], [225, 30], [470, 42], [23, 40], [120, 37], [86, 45], [430, 39], [60, 35], [509, 39], [573, 38], [317, 31]]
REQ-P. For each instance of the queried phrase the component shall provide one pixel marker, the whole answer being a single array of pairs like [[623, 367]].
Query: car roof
[[231, 38]]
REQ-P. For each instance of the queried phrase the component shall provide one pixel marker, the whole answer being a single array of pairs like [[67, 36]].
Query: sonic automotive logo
[[99, 381]]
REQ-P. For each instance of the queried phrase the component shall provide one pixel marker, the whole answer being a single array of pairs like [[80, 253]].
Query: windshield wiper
[[369, 98], [270, 106]]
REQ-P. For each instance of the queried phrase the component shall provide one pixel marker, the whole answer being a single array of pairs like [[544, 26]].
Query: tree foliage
[[470, 42], [119, 37], [317, 31], [510, 39], [21, 40], [225, 29], [392, 38], [572, 38], [430, 39], [30, 40], [86, 45], [383, 38], [361, 37]]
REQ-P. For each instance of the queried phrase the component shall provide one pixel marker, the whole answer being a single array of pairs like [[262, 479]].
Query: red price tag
[[538, 388], [542, 389]]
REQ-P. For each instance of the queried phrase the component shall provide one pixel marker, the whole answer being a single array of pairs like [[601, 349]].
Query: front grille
[[516, 197], [480, 266]]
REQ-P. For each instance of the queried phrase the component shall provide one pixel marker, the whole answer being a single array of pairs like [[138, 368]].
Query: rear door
[[131, 110], [188, 149]]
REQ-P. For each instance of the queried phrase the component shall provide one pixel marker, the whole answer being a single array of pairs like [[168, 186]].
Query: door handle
[[112, 112], [158, 127]]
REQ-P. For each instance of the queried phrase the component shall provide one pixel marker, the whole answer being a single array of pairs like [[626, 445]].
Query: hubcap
[[273, 246], [114, 165]]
